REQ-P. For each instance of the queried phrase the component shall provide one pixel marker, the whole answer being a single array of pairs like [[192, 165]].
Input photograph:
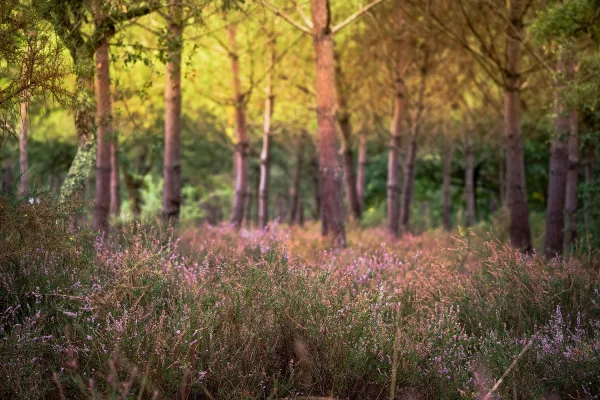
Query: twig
[[286, 17], [355, 15], [505, 374]]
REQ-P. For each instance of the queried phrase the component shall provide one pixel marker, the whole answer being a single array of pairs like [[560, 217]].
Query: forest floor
[[218, 313]]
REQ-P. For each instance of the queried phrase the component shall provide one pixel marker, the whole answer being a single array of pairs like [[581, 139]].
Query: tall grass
[[216, 313]]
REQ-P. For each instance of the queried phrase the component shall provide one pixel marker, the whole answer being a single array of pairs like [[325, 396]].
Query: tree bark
[[409, 170], [469, 181], [343, 118], [572, 175], [520, 232], [115, 190], [265, 155], [104, 117], [360, 173], [317, 186], [173, 93], [23, 158], [590, 159], [448, 153], [7, 177], [133, 185], [241, 136], [295, 187], [332, 212], [559, 163], [393, 181]]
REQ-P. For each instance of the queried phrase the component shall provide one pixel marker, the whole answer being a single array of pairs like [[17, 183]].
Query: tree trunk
[[133, 185], [317, 186], [332, 212], [559, 163], [23, 159], [572, 175], [393, 181], [520, 232], [343, 118], [300, 214], [265, 155], [469, 181], [104, 116], [409, 170], [447, 175], [115, 190], [241, 136], [295, 188], [172, 158], [84, 114], [7, 177], [360, 173]]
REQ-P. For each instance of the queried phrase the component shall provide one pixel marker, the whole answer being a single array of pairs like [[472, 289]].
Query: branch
[[286, 17], [354, 16]]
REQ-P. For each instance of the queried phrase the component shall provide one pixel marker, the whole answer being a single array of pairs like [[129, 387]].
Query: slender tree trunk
[[84, 109], [173, 93], [241, 136], [23, 158], [317, 186], [115, 190], [590, 159], [7, 178], [559, 163], [360, 173], [300, 214], [332, 212], [343, 118], [520, 232], [572, 175], [295, 188], [447, 175], [502, 176], [393, 179], [469, 180], [265, 155], [133, 191], [104, 116], [409, 171]]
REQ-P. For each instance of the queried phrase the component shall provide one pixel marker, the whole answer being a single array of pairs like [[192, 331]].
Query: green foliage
[[568, 20]]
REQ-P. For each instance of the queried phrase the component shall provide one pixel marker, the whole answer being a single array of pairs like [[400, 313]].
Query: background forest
[[278, 199]]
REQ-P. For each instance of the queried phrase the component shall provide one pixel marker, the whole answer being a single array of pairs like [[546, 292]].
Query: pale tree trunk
[[104, 118], [295, 188], [469, 180], [411, 156], [172, 156], [332, 212], [520, 232], [241, 136], [393, 179], [448, 153], [317, 186], [559, 163], [572, 175], [265, 155], [84, 112], [360, 173], [343, 118], [23, 158], [590, 159]]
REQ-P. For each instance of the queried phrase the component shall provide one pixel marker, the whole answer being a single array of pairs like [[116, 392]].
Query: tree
[[295, 194], [172, 156], [23, 159]]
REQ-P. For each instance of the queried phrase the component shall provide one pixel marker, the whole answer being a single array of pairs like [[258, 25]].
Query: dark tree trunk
[[295, 187], [572, 175], [469, 181], [23, 158], [265, 155], [133, 185], [7, 177], [317, 186], [104, 117], [173, 93], [559, 163], [300, 214], [520, 232], [393, 179], [241, 136], [448, 153], [360, 174], [332, 212], [115, 190], [590, 160]]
